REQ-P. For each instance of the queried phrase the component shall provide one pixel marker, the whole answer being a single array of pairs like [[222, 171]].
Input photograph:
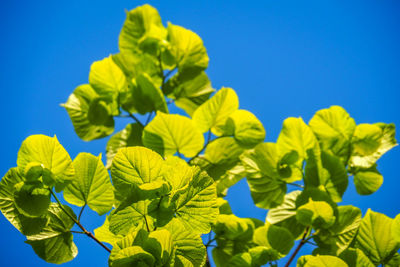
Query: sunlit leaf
[[54, 243], [317, 213], [370, 142], [334, 129], [92, 185], [355, 258], [82, 106], [213, 113], [375, 238], [48, 152], [320, 261], [170, 134], [131, 135], [26, 225], [367, 181]]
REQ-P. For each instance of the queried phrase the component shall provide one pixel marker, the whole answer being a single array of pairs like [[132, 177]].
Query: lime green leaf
[[285, 210], [31, 199], [278, 238], [141, 247], [223, 206], [196, 207], [104, 234], [131, 216], [367, 181], [233, 228], [375, 238], [260, 255], [334, 129], [370, 142], [134, 166], [146, 96], [33, 171], [320, 261], [337, 182], [189, 90], [230, 178], [142, 29], [341, 234], [190, 250], [54, 243], [131, 135], [92, 185], [168, 134], [223, 150], [187, 48], [267, 189], [241, 260], [26, 225], [213, 113], [81, 106], [107, 79], [48, 152], [356, 258], [396, 228], [296, 135], [245, 127], [394, 261], [284, 215], [317, 213]]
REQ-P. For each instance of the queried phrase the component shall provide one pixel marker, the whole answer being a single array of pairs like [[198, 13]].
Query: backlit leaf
[[92, 185], [169, 134]]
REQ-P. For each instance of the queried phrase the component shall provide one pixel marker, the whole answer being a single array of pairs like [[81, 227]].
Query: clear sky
[[283, 58]]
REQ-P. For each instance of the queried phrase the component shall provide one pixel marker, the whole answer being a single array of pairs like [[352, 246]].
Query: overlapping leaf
[[90, 115]]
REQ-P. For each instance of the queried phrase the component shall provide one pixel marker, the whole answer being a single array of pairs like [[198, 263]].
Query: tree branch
[[86, 232], [80, 213], [302, 242]]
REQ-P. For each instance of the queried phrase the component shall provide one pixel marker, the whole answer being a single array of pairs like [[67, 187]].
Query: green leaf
[[196, 207], [284, 215], [131, 135], [33, 171], [48, 152], [107, 79], [104, 234], [170, 134], [375, 238], [320, 261], [187, 48], [341, 234], [245, 128], [317, 213], [355, 258], [213, 113], [326, 172], [396, 228], [142, 29], [334, 129], [266, 187], [92, 185], [31, 199], [370, 142], [26, 225], [134, 166], [278, 238], [285, 210], [241, 260], [190, 250], [368, 181], [82, 106], [296, 135], [146, 96], [230, 178], [189, 90], [233, 228], [54, 243], [224, 150]]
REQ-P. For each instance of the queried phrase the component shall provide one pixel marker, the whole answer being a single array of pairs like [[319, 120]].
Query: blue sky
[[283, 58]]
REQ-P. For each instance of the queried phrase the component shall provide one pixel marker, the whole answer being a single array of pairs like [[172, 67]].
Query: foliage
[[169, 175]]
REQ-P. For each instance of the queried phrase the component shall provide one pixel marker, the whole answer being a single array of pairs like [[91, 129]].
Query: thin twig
[[147, 225], [302, 242], [89, 234], [80, 213], [77, 232], [149, 117], [136, 119], [209, 141]]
